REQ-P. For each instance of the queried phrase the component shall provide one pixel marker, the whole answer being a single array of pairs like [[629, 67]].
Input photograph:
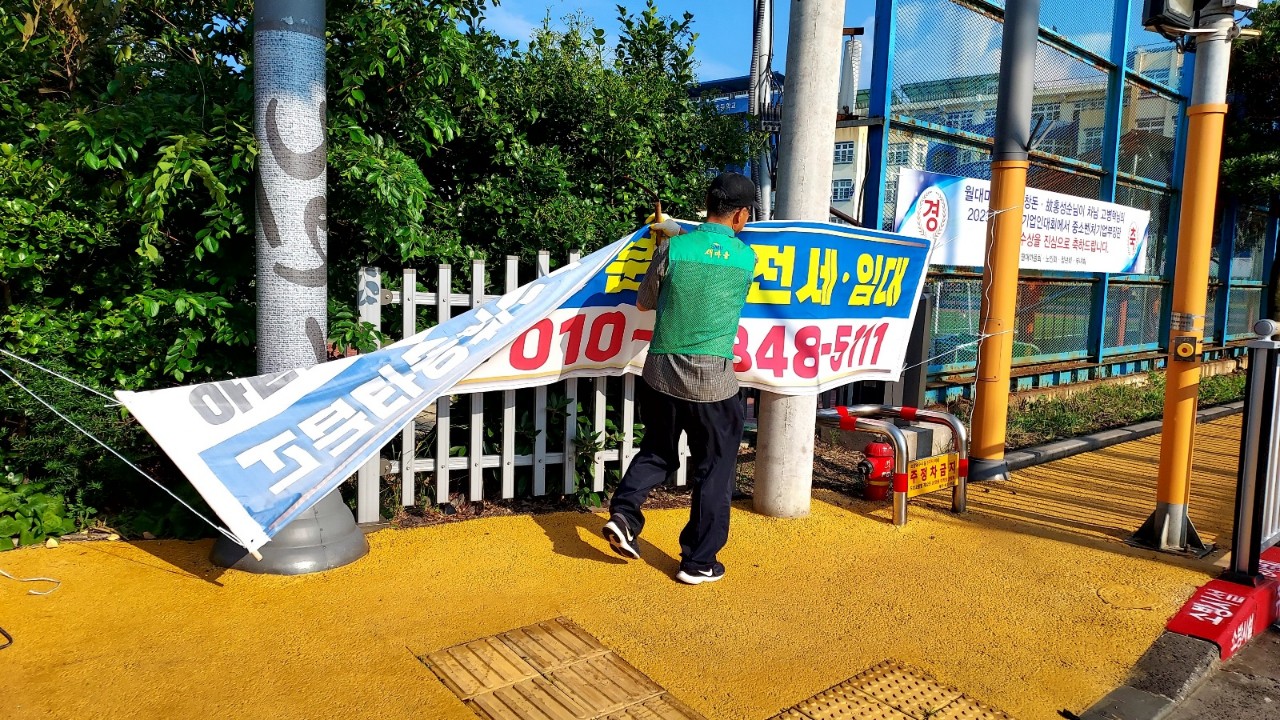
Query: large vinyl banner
[[830, 304], [1059, 232]]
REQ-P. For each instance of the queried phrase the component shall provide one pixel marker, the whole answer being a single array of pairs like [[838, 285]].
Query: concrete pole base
[[784, 455], [322, 538], [980, 469], [1170, 530]]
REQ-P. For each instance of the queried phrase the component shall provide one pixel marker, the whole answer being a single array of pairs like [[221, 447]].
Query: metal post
[[1112, 129], [1169, 528], [292, 277], [878, 107], [784, 473], [1256, 496], [857, 417], [1098, 318], [850, 67], [1226, 257], [760, 99], [1269, 275], [1000, 274], [915, 378], [1186, 81], [1111, 133]]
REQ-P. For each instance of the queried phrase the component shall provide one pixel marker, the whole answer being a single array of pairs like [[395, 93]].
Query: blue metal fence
[[1110, 104], [1110, 108]]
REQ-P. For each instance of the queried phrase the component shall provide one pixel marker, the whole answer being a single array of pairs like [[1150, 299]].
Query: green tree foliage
[[126, 170], [1251, 156], [1252, 152]]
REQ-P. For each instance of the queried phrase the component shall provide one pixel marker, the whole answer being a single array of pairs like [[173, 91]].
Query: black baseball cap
[[733, 191]]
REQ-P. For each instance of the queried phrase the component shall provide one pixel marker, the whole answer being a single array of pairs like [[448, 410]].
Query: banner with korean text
[[1059, 232], [830, 304]]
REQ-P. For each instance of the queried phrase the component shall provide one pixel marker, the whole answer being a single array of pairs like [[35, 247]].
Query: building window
[[1092, 140], [1046, 112], [1160, 75], [1054, 146], [899, 153], [1091, 104], [841, 190], [1154, 125], [959, 120], [845, 152]]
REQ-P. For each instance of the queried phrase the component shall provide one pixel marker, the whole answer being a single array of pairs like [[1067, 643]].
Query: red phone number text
[[849, 349], [600, 339]]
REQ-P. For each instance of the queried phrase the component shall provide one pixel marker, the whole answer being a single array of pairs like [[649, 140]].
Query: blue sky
[[723, 26], [723, 48]]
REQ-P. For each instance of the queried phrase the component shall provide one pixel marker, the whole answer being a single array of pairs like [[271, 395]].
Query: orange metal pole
[[999, 304], [1169, 528]]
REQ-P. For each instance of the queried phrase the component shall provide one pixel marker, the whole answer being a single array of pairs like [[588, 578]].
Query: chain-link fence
[[1160, 203], [1211, 315], [1134, 311], [1246, 309], [955, 322], [1249, 248], [1149, 123], [941, 119], [1052, 321]]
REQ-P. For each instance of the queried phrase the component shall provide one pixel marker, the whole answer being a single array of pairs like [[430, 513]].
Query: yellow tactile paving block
[[966, 708], [550, 645], [479, 667], [844, 702], [537, 699], [892, 691], [1023, 609], [551, 670], [904, 688]]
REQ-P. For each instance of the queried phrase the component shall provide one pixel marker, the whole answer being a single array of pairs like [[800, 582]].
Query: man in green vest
[[698, 283]]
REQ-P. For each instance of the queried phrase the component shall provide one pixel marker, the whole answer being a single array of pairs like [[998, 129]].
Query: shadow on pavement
[[567, 531], [188, 559]]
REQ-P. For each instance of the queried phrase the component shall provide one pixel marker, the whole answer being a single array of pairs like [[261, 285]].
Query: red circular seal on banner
[[932, 213]]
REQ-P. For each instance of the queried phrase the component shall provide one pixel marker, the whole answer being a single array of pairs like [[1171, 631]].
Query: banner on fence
[[829, 304], [1059, 232]]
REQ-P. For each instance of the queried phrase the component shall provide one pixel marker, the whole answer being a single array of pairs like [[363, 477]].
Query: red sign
[[1228, 614]]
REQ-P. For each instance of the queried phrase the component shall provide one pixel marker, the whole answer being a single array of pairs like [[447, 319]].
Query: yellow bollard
[[999, 305], [1169, 527]]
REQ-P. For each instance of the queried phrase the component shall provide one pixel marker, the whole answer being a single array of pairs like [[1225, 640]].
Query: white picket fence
[[439, 464]]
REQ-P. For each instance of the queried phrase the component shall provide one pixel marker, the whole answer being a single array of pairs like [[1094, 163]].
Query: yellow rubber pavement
[[1030, 618], [1110, 492]]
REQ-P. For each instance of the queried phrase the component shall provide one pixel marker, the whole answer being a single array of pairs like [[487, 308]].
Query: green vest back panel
[[708, 274]]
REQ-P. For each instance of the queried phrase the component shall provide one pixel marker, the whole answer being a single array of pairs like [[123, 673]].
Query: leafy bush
[[30, 512], [126, 187], [1099, 408]]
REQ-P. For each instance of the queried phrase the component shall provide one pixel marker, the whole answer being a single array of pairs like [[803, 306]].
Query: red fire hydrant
[[878, 467]]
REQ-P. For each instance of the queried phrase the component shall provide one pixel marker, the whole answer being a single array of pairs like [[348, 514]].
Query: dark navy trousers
[[715, 433]]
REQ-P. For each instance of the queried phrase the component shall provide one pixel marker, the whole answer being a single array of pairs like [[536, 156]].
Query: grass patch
[[1041, 420]]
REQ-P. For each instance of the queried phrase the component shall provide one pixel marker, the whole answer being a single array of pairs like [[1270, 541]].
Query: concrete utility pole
[[292, 252], [760, 99], [784, 474], [1009, 163], [1169, 528]]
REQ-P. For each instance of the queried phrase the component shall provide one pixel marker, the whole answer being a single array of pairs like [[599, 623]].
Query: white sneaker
[[618, 533], [697, 577]]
